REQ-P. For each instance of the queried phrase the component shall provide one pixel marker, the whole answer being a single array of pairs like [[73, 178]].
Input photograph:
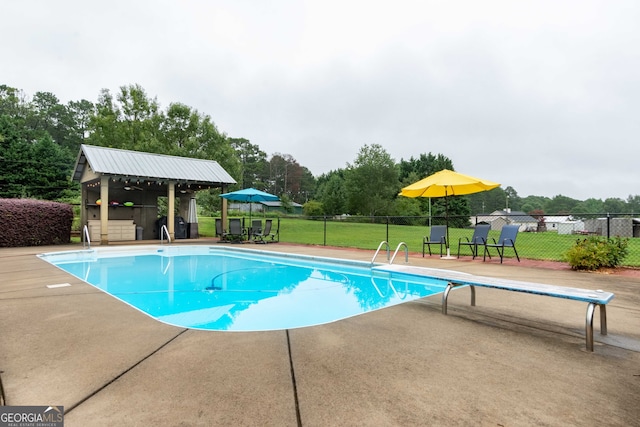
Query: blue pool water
[[232, 289]]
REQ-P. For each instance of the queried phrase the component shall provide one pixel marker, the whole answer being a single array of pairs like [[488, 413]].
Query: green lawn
[[540, 246]]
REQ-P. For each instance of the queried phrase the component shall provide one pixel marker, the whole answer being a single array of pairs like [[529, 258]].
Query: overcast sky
[[542, 96]]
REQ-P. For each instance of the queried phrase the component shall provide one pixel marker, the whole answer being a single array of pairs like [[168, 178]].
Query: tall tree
[[104, 124], [512, 200], [253, 164], [424, 165], [278, 173], [332, 193], [177, 131], [50, 117], [214, 145], [307, 186], [131, 121], [371, 182], [286, 176], [52, 179], [31, 163], [37, 169], [12, 102], [139, 117], [81, 112], [14, 158]]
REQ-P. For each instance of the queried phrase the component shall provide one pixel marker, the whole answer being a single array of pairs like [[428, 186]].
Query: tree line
[[40, 139]]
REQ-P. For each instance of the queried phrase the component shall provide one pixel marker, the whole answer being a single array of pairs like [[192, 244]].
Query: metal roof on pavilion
[[136, 165]]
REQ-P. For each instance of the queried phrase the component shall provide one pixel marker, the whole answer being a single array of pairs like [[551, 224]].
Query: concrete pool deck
[[512, 360]]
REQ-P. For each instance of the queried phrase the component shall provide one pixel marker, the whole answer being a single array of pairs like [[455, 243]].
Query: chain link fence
[[545, 238]]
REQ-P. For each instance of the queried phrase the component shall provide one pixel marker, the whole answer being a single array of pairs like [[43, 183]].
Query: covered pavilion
[[121, 189]]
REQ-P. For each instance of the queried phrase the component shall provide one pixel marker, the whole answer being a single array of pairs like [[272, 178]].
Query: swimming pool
[[237, 289]]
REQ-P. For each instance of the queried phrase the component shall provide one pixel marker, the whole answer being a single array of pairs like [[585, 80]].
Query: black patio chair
[[507, 239], [479, 238], [236, 231], [437, 236], [256, 228], [266, 233], [221, 232]]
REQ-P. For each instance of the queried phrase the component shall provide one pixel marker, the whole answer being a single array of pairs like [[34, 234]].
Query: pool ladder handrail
[[385, 243], [164, 230], [85, 237], [406, 253]]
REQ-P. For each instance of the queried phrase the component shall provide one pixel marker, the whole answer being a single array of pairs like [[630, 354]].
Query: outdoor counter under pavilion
[[121, 189]]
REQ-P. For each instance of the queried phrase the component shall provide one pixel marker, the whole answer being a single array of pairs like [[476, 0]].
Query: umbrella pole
[[446, 220], [250, 228]]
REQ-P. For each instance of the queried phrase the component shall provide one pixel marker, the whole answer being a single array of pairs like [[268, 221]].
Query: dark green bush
[[593, 253], [27, 222]]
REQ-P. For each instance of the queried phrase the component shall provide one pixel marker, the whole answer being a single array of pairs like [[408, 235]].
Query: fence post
[[325, 231], [387, 228], [608, 226]]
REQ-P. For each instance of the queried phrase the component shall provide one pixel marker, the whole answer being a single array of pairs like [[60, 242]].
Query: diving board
[[597, 298]]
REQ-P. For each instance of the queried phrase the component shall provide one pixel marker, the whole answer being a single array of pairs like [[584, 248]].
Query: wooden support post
[[171, 207], [104, 210]]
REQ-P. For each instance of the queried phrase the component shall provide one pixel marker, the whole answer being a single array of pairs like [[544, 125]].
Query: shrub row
[[27, 222]]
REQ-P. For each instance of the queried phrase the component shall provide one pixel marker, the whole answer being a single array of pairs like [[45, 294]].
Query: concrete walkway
[[513, 360]]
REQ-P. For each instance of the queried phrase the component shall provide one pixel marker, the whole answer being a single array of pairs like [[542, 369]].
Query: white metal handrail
[[85, 237], [164, 230], [406, 253], [385, 243]]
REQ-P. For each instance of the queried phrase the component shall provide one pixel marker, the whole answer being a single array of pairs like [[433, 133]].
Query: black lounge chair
[[275, 236], [507, 239], [437, 236], [479, 238], [221, 232], [256, 228], [266, 233], [236, 232]]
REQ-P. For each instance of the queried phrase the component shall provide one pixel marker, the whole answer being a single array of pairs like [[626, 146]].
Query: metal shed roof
[[136, 164]]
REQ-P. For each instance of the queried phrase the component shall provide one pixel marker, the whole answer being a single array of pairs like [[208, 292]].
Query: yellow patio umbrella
[[444, 184]]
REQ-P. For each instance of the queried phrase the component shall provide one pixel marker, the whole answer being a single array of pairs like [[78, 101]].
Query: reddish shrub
[[27, 222]]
